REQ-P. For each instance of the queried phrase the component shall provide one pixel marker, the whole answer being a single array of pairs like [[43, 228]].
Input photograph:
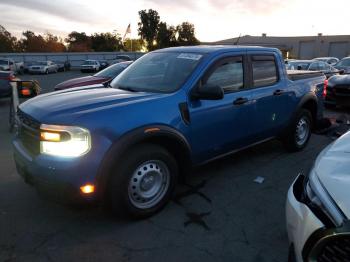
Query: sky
[[213, 19]]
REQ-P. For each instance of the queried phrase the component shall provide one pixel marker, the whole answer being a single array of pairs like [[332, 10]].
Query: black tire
[[123, 174], [291, 139], [47, 71]]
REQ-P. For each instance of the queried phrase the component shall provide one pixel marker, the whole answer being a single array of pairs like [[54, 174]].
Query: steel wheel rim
[[149, 184], [302, 131]]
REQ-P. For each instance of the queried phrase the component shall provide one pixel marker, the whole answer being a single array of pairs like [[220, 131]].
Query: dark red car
[[101, 77]]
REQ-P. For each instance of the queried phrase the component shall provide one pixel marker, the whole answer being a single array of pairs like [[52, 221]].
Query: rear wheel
[[47, 71], [143, 181], [300, 131]]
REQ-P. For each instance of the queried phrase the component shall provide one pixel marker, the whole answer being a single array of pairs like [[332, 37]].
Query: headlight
[[319, 196], [64, 141]]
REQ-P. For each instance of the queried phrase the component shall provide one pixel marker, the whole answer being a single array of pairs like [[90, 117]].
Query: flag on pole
[[128, 31]]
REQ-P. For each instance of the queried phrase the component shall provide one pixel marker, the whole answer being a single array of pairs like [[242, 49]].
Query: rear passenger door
[[269, 94]]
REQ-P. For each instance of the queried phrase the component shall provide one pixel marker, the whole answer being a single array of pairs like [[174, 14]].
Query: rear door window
[[264, 71]]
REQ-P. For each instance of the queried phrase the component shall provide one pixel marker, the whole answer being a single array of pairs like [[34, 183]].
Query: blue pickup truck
[[172, 109]]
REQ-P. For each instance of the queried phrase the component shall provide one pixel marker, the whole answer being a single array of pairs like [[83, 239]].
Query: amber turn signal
[[50, 136]]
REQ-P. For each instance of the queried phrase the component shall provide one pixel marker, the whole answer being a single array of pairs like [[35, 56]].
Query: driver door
[[221, 126]]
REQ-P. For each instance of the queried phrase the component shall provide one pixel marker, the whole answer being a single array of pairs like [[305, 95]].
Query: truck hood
[[67, 104], [333, 169]]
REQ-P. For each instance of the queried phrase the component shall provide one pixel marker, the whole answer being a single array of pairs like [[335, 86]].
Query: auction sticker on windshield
[[189, 56]]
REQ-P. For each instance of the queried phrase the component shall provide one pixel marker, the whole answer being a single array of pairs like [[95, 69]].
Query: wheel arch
[[310, 103], [167, 137]]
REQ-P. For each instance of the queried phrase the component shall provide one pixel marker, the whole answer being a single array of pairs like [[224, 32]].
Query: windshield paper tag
[[189, 56]]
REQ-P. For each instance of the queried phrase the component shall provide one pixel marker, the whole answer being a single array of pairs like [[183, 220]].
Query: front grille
[[335, 249], [28, 132]]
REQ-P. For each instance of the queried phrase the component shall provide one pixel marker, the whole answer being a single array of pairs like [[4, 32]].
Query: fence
[[75, 59]]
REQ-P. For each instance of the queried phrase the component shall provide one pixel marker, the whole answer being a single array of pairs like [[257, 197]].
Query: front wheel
[[300, 131], [143, 181]]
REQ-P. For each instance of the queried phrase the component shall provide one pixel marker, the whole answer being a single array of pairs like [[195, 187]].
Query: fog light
[[87, 189]]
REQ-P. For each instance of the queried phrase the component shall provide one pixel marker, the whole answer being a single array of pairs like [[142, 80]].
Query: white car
[[318, 207], [8, 64], [90, 65], [43, 67]]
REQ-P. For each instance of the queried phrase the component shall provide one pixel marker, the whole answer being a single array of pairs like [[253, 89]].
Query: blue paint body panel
[[216, 126]]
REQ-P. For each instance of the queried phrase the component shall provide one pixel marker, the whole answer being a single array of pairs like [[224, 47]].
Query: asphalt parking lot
[[220, 214]]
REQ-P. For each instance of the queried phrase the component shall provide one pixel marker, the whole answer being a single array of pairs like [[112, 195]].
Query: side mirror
[[341, 72], [209, 92]]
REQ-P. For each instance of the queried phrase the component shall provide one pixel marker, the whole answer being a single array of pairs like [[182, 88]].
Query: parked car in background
[[337, 92], [26, 65], [8, 64], [5, 78], [129, 143], [90, 66], [328, 60], [313, 65], [121, 58], [103, 64], [344, 64], [43, 67], [62, 66], [318, 207], [101, 77]]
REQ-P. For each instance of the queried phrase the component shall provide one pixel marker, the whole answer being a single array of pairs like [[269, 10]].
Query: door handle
[[278, 92], [240, 101]]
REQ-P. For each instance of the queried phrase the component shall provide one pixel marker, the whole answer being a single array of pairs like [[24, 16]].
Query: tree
[[78, 42], [137, 45], [32, 43], [186, 34], [166, 36], [8, 43], [148, 27], [38, 43], [53, 43], [106, 42]]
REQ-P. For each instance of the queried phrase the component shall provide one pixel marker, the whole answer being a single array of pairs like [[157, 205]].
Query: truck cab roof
[[208, 49]]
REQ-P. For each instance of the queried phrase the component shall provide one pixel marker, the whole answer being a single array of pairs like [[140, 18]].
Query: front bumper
[[87, 68], [301, 221], [57, 178], [36, 71]]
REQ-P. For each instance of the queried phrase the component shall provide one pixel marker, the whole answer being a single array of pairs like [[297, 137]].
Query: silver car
[[43, 67], [90, 66]]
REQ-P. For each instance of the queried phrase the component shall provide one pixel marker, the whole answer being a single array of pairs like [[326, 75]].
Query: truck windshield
[[159, 72]]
